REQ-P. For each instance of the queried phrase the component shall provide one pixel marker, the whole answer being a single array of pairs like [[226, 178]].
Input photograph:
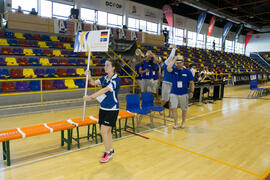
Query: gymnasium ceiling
[[253, 14]]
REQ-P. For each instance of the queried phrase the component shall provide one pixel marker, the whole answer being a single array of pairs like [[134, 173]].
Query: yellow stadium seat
[[91, 62], [67, 46], [57, 53], [3, 42], [80, 71], [54, 38], [70, 84], [42, 44], [19, 35], [11, 61], [28, 52], [29, 73], [45, 62]]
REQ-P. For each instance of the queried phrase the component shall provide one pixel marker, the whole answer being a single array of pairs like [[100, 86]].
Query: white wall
[[259, 43]]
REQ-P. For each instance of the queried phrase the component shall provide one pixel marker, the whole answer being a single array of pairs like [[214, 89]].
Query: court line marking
[[265, 174], [206, 157], [75, 150]]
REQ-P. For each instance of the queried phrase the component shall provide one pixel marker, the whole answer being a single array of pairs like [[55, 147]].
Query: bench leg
[[8, 153], [4, 150], [94, 133], [69, 140], [125, 128], [133, 125], [78, 137], [119, 128], [88, 132], [62, 137]]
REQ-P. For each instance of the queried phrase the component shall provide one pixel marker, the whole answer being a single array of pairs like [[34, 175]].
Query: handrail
[[114, 53], [41, 91]]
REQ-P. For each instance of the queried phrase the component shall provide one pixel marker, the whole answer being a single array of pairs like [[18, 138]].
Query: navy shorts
[[108, 118]]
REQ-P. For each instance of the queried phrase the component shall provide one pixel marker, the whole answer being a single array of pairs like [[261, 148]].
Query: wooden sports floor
[[226, 140]]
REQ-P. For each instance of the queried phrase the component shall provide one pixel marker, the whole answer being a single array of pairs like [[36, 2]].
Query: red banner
[[248, 37], [211, 25], [167, 10]]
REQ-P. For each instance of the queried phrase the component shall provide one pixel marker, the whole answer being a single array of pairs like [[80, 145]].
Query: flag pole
[[86, 83]]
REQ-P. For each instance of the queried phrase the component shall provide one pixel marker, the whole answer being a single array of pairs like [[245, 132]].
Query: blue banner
[[200, 22], [226, 30], [238, 31], [253, 81]]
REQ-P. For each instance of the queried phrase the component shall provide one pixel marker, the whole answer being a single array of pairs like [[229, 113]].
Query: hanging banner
[[226, 30], [211, 25], [200, 22], [248, 37], [167, 10], [95, 41], [238, 32]]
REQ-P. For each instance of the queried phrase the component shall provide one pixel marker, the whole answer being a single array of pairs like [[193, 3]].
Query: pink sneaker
[[106, 157], [111, 152]]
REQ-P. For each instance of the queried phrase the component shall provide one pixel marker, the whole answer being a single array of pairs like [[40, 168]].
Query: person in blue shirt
[[139, 77], [147, 72], [155, 77], [109, 104], [167, 80], [182, 81]]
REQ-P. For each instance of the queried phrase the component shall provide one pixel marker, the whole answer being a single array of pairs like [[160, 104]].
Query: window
[[143, 25], [151, 27], [114, 20], [210, 40], [26, 5], [191, 39], [46, 8], [178, 36], [228, 46], [133, 24], [102, 18], [88, 15], [239, 48], [61, 11], [200, 41]]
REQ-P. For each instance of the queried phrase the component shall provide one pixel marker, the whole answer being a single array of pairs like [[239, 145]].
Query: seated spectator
[[33, 12], [19, 10]]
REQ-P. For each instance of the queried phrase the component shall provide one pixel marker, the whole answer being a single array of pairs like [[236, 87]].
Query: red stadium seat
[[23, 62], [8, 87], [48, 85], [16, 73], [61, 72]]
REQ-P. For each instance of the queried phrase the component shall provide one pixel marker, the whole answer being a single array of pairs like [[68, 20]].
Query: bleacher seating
[[25, 49]]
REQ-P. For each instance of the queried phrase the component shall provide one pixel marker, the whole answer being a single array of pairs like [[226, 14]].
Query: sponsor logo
[[113, 4]]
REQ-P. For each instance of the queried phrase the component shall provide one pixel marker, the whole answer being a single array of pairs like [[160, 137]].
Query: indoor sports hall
[[131, 89]]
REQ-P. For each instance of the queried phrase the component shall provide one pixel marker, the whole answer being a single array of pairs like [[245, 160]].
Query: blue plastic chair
[[133, 105], [148, 103]]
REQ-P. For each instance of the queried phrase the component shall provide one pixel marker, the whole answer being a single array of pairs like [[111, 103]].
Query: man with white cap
[[167, 79], [180, 92]]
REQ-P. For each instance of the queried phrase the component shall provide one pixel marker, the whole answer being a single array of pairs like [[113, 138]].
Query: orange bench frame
[[69, 125]]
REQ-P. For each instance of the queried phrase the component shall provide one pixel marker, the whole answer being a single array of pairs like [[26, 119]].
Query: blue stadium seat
[[34, 85]]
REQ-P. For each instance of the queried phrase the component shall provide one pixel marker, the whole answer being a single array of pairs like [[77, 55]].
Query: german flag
[[104, 34]]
